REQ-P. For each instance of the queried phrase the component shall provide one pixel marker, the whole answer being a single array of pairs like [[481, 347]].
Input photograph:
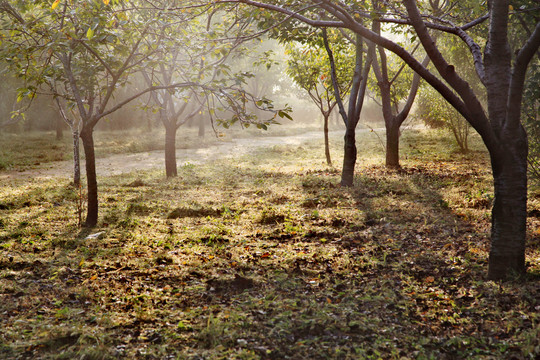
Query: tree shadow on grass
[[309, 270]]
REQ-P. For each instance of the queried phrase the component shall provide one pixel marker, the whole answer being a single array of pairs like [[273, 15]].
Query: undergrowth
[[266, 257]]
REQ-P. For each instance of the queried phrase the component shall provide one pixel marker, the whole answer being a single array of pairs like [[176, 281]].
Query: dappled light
[[239, 179]]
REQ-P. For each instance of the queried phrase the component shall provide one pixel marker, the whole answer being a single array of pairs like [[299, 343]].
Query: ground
[[264, 256]]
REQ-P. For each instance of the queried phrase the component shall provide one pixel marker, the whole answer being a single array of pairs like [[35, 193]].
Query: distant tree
[[204, 61], [309, 67], [435, 112], [292, 30], [394, 84]]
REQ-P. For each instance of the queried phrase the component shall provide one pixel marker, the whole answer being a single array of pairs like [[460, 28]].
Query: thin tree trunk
[[59, 132], [76, 159], [91, 180], [149, 120], [326, 141], [202, 126], [392, 144], [170, 151]]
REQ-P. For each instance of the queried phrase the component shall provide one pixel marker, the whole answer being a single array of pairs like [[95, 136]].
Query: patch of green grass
[[267, 257], [21, 151]]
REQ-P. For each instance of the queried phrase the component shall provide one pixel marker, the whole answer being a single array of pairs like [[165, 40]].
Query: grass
[[266, 257]]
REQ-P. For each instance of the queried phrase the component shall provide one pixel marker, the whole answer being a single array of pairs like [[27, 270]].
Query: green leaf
[[90, 33], [283, 114]]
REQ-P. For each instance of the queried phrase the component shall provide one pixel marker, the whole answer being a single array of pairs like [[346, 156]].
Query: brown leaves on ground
[[267, 258]]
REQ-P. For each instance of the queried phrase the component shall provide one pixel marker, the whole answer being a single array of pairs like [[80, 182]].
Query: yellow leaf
[[93, 277], [55, 4], [81, 263], [106, 2], [510, 7], [90, 33]]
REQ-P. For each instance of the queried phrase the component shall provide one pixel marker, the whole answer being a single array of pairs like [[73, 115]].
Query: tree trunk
[[349, 158], [59, 132], [509, 214], [76, 159], [392, 145], [201, 126], [170, 151], [92, 208], [149, 120], [326, 141]]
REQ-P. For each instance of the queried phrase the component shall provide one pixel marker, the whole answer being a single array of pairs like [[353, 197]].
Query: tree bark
[[392, 144], [326, 141], [76, 159], [202, 126], [509, 213], [59, 132], [170, 151], [92, 191], [349, 158]]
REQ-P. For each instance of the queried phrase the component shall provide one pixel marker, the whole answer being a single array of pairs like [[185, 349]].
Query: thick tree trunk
[[170, 151], [509, 214], [326, 141], [76, 159], [392, 145], [349, 158], [92, 206]]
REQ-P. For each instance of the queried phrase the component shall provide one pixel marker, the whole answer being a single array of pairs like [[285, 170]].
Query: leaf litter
[[276, 262]]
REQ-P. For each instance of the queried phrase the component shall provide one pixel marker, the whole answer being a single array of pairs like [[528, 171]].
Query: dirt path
[[125, 163]]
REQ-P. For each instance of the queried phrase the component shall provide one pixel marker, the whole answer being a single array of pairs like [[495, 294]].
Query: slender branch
[[334, 78], [66, 62], [96, 55], [149, 89], [523, 58]]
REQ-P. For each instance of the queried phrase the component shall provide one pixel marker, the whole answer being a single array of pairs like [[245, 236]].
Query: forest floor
[[265, 256]]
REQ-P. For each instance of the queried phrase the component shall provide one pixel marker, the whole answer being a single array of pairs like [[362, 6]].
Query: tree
[[392, 89], [74, 124], [289, 28], [203, 61], [356, 101], [434, 111], [502, 74], [92, 49], [309, 67]]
